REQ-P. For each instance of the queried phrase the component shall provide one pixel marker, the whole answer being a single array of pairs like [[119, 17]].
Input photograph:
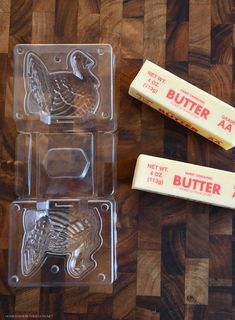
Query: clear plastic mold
[[63, 225], [62, 242], [64, 86], [65, 164]]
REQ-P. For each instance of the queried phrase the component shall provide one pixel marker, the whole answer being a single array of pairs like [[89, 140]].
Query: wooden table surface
[[175, 257]]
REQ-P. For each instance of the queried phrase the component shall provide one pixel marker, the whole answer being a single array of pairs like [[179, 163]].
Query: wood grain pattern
[[194, 312], [27, 299], [149, 273], [4, 31], [196, 281], [76, 300], [221, 221], [66, 32], [220, 253], [220, 303], [149, 221], [176, 258], [221, 11], [197, 243], [197, 231], [44, 6], [143, 314], [43, 27]]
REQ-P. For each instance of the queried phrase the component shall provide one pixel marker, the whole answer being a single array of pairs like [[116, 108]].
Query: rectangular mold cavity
[[64, 87], [65, 165], [55, 165], [62, 242]]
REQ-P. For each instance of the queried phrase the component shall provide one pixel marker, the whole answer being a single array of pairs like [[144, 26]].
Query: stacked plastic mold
[[63, 225]]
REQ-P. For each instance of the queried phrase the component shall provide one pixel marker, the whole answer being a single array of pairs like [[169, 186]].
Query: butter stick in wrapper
[[185, 103], [184, 180]]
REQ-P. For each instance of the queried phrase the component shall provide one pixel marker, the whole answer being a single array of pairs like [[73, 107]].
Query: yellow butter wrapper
[[185, 103], [185, 180]]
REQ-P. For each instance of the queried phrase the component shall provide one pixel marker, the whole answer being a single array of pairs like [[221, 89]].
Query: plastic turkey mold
[[63, 225], [54, 232], [60, 242], [71, 93], [64, 86]]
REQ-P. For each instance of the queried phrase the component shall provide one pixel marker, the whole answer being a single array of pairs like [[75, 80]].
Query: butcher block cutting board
[[175, 257]]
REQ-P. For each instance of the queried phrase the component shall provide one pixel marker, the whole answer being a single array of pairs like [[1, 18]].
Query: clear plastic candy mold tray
[[60, 242], [63, 224], [64, 86]]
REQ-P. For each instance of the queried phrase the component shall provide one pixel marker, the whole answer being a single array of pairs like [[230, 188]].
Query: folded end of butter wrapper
[[184, 180], [185, 103]]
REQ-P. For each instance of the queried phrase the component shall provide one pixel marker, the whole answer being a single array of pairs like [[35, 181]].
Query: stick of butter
[[185, 103], [184, 180]]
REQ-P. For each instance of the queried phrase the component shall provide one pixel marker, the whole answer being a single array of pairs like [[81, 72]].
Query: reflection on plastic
[[75, 234]]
